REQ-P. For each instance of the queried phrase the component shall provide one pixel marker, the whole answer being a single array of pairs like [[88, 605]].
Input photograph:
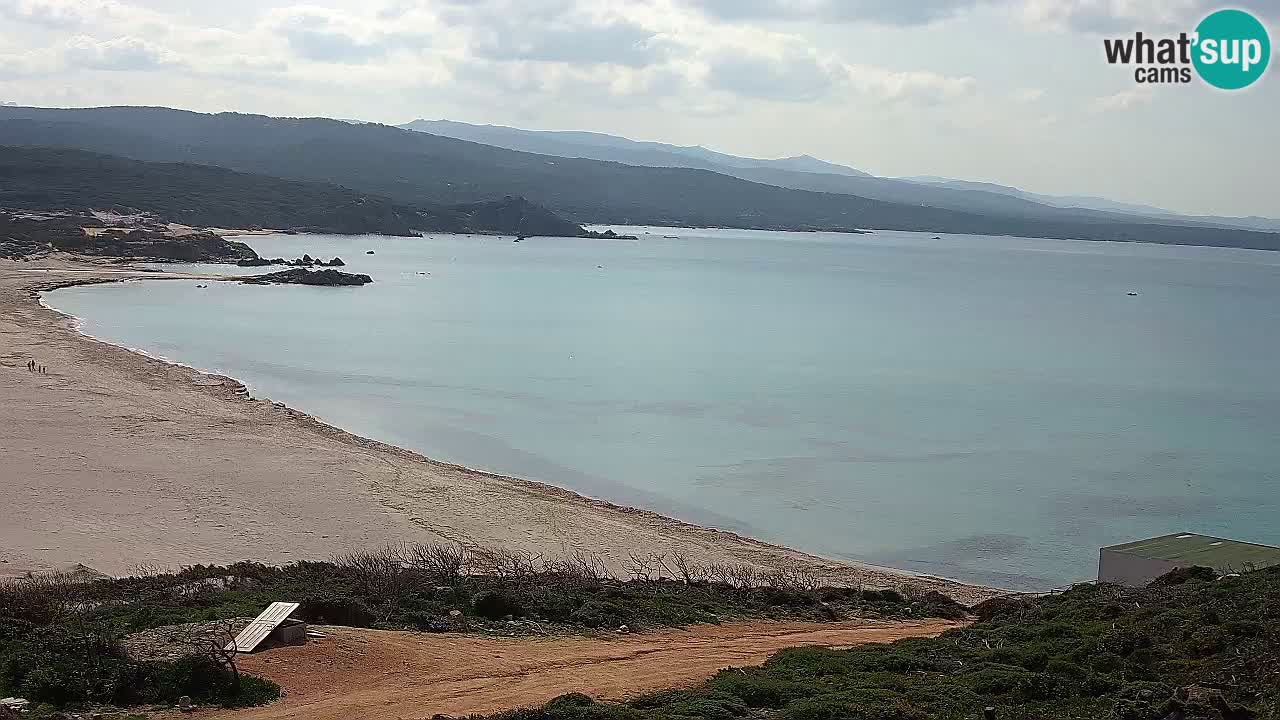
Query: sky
[[1016, 92]]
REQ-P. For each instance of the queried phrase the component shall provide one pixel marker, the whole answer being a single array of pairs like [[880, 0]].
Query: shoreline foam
[[640, 530]]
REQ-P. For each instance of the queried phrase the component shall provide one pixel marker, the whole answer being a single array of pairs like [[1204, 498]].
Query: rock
[[259, 262], [623, 629], [184, 704], [16, 704], [455, 613], [302, 276], [368, 252]]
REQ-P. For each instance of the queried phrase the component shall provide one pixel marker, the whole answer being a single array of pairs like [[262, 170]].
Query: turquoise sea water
[[991, 409]]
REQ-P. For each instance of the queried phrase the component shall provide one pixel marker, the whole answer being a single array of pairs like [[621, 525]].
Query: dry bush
[[379, 572], [646, 567], [792, 577], [446, 563], [685, 568], [503, 563], [578, 565], [743, 576], [45, 598]]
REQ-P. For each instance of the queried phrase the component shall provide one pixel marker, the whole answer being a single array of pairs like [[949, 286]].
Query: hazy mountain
[[600, 146], [799, 173], [1089, 202], [422, 169]]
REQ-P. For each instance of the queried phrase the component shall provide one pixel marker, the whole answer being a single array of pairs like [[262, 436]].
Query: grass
[[59, 637], [1190, 646]]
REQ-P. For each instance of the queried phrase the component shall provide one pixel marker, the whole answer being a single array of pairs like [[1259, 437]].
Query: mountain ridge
[[422, 169]]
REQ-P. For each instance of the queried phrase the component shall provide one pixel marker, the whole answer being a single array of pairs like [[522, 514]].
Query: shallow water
[[991, 409]]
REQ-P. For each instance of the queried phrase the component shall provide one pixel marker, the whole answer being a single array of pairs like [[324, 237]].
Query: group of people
[[33, 367]]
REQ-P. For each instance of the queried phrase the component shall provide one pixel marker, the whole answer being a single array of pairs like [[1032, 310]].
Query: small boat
[[368, 252], [1133, 294], [518, 239], [671, 237]]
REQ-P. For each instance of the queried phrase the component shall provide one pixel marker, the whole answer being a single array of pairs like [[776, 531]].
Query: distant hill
[[429, 171], [600, 146], [204, 196], [1089, 202], [808, 173]]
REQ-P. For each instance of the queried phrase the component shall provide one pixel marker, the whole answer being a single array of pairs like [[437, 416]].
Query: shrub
[[861, 705], [337, 610], [598, 614], [712, 705], [1178, 576], [495, 605], [885, 596]]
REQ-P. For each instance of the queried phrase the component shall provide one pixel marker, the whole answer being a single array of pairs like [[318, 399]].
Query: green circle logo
[[1232, 49]]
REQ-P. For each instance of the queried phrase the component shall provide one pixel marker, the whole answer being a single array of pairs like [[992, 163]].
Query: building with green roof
[[1138, 563]]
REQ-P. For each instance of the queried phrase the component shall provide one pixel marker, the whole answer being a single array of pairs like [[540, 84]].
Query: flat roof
[[1214, 552]]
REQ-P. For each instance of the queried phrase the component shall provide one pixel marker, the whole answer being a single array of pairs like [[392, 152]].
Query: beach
[[119, 461]]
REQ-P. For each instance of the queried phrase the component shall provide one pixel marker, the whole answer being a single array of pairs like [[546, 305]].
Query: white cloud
[[886, 12], [331, 36], [1103, 16], [1027, 96], [1123, 100], [122, 53]]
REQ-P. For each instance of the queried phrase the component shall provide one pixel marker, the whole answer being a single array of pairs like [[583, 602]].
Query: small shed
[[275, 626], [1137, 563]]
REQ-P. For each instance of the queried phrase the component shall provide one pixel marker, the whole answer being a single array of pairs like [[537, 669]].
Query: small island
[[302, 276]]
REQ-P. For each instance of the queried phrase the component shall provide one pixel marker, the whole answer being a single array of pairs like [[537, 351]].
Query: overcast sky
[[1009, 91]]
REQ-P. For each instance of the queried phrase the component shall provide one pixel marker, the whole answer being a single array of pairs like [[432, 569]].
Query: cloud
[[885, 12], [555, 31], [56, 14], [1105, 16], [331, 36], [1026, 96], [1123, 100], [122, 53], [792, 76]]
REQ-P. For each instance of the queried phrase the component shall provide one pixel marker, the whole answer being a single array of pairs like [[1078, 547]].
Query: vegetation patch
[[62, 637], [1192, 646]]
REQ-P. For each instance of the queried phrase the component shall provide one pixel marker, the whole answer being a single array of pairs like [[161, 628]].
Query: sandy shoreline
[[115, 459]]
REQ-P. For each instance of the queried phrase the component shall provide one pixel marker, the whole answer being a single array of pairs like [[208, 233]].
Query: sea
[[991, 409]]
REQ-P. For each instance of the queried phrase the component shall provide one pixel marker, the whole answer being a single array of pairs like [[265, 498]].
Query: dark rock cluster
[[302, 276]]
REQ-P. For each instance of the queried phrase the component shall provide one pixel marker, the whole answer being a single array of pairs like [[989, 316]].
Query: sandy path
[[114, 459], [355, 674]]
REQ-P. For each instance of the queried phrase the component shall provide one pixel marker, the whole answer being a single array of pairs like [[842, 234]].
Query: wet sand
[[117, 460]]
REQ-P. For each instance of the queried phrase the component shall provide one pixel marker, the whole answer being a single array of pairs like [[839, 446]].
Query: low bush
[[58, 634], [496, 605], [1092, 652]]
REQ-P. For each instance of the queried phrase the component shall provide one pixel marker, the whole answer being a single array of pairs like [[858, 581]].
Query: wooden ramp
[[258, 630]]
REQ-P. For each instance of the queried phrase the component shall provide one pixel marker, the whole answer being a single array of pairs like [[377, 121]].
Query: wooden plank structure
[[262, 626]]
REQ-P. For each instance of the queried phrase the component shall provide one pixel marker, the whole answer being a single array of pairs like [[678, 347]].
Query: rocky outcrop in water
[[304, 261], [302, 276]]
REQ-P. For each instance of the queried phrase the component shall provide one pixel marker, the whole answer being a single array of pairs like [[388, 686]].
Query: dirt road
[[354, 674]]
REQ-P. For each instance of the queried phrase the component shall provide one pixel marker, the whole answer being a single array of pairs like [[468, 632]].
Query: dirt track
[[354, 674]]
